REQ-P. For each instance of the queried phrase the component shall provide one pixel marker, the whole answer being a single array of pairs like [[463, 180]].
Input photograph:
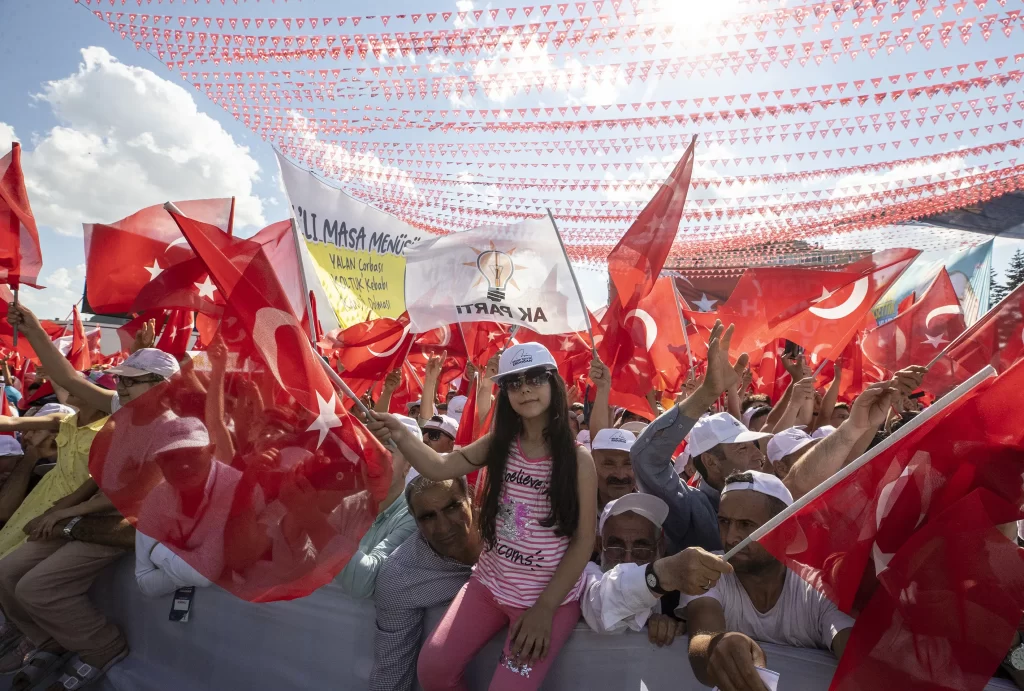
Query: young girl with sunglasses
[[537, 521]]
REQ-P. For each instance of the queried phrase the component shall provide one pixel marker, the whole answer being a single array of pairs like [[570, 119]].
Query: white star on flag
[[934, 341], [825, 294], [154, 270], [327, 419], [705, 304], [206, 288]]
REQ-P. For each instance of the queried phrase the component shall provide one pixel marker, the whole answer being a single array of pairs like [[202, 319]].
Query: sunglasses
[[432, 434], [128, 382], [530, 379]]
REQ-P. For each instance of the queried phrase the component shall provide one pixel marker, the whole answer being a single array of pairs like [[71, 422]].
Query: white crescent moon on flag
[[180, 241], [815, 358], [860, 291], [268, 321], [650, 327], [945, 309], [901, 343], [447, 338], [393, 349]]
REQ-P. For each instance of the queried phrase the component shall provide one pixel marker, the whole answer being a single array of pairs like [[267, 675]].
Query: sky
[[108, 129]]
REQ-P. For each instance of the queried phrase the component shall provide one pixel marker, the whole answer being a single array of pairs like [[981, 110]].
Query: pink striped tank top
[[525, 554]]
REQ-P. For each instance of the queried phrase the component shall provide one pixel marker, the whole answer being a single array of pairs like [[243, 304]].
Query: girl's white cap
[[523, 357]]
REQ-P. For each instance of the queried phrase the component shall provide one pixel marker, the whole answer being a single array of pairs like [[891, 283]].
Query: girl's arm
[[424, 459], [531, 633]]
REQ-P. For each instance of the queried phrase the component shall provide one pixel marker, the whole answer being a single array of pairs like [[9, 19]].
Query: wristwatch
[[1015, 658], [653, 582], [70, 527]]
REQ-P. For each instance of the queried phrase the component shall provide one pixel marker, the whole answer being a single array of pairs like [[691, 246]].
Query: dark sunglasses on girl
[[432, 434], [532, 378]]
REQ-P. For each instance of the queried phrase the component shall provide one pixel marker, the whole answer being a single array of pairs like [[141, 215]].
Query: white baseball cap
[[750, 412], [10, 447], [584, 437], [650, 507], [720, 428], [822, 432], [180, 433], [523, 357], [786, 442], [147, 361], [763, 483], [613, 440], [51, 408], [444, 423], [412, 404], [411, 425], [456, 406]]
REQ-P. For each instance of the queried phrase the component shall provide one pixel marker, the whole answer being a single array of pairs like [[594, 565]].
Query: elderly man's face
[[444, 517], [614, 475], [628, 538], [740, 513]]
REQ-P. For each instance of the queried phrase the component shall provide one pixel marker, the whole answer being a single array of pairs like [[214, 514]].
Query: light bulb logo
[[496, 268]]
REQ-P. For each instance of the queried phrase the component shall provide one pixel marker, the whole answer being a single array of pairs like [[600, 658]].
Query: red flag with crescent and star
[[916, 335], [21, 258], [122, 257], [246, 464], [861, 543]]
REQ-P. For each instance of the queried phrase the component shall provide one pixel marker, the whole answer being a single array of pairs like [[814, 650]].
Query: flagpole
[[930, 412], [682, 321], [14, 339], [511, 335], [576, 283], [302, 280]]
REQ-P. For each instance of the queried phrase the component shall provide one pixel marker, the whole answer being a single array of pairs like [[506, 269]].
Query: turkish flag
[[444, 339], [269, 499], [21, 259], [996, 339], [78, 355], [621, 346], [947, 607], [122, 257], [816, 308], [24, 349], [176, 333], [638, 258], [370, 350], [844, 538], [484, 340], [916, 335]]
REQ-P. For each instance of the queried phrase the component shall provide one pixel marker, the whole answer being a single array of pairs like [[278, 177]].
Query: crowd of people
[[560, 511]]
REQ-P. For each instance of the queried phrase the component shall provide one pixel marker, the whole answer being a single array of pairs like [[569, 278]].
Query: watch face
[[1017, 658], [652, 580]]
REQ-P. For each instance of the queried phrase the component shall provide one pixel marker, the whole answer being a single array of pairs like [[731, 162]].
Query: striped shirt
[[525, 554]]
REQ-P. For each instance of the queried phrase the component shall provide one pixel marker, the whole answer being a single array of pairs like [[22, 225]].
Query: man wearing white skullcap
[[762, 600]]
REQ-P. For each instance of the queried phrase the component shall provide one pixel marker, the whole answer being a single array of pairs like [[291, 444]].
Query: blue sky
[[107, 130]]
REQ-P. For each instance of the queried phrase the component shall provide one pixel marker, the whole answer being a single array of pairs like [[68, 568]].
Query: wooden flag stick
[[896, 436]]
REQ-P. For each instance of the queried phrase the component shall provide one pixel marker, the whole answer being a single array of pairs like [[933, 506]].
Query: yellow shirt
[[71, 471]]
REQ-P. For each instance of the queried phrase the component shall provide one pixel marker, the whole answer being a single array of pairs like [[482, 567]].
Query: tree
[[1015, 272], [996, 290]]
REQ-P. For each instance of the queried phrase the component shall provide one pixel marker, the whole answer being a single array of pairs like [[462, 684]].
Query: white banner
[[357, 251], [509, 274]]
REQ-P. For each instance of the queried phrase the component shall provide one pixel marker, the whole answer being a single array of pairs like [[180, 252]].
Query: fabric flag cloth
[[21, 259], [638, 258], [176, 333], [444, 339], [78, 355], [370, 350], [121, 258], [246, 464], [845, 540], [997, 339], [24, 349], [516, 275], [916, 335]]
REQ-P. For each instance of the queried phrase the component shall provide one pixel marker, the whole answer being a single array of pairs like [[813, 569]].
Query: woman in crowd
[[537, 520]]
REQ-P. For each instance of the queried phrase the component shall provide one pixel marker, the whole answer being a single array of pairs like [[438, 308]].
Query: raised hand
[[393, 380], [721, 375], [434, 365], [872, 406], [600, 374], [491, 370], [145, 337]]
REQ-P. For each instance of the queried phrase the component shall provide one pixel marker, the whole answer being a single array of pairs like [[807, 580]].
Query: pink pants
[[469, 624]]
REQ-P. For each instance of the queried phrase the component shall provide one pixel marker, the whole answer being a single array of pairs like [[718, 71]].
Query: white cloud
[[7, 136], [63, 289], [129, 139]]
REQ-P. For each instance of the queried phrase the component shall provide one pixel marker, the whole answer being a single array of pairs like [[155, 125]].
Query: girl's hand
[[531, 634], [386, 427]]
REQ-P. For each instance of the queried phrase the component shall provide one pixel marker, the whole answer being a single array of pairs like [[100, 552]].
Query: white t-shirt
[[802, 618]]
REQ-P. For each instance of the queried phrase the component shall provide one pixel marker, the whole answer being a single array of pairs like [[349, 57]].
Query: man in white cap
[[456, 406], [624, 592], [144, 368], [692, 517], [786, 447], [610, 448], [439, 433], [761, 600]]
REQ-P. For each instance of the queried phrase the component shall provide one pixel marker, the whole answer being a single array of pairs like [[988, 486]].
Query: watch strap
[[70, 527]]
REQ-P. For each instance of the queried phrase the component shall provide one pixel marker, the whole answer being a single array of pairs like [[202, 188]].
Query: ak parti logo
[[497, 268]]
